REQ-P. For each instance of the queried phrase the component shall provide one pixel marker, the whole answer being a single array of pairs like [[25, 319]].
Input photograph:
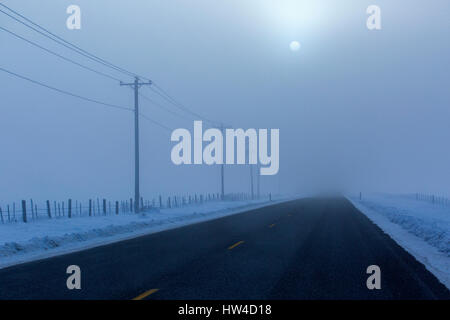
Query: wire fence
[[29, 211], [431, 198]]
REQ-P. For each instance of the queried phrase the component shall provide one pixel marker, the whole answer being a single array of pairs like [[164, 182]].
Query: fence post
[[9, 218], [32, 210], [117, 207], [48, 210], [90, 207], [69, 208], [131, 205], [24, 211], [1, 214]]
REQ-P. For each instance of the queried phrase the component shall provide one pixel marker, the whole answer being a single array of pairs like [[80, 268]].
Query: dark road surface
[[304, 249]]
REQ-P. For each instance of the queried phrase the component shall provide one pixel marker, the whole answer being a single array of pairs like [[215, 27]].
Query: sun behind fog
[[295, 46]]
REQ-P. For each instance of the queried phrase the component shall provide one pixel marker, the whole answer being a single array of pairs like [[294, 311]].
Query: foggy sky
[[357, 109]]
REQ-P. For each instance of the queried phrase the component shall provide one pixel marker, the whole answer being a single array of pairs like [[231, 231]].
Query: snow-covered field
[[421, 227], [22, 242]]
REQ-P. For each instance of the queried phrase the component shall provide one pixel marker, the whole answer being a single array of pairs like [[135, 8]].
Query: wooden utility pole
[[222, 168], [251, 182], [258, 181], [136, 85]]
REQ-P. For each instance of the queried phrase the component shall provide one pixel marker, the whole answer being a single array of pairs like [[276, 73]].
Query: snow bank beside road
[[22, 242], [421, 228]]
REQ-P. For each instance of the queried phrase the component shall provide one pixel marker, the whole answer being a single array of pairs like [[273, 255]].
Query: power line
[[146, 117], [155, 122], [97, 59], [93, 57], [63, 42], [58, 55], [177, 104], [85, 98], [65, 92], [163, 107]]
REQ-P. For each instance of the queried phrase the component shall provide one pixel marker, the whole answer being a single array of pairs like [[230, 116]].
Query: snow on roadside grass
[[421, 228], [22, 242]]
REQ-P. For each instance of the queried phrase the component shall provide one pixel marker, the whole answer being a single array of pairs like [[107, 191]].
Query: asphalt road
[[305, 249]]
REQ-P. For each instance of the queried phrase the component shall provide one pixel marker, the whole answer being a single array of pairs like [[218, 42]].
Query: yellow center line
[[145, 294], [272, 225], [235, 245]]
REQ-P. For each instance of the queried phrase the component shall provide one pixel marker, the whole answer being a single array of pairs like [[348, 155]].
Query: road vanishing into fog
[[315, 248]]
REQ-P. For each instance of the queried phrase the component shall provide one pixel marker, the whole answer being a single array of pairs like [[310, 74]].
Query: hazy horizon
[[357, 110]]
